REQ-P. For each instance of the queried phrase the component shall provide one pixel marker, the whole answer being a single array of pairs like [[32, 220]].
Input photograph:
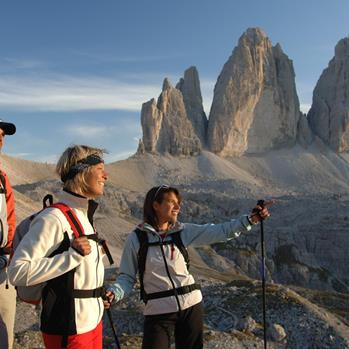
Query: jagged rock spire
[[165, 124], [190, 88], [255, 105], [176, 123], [329, 113]]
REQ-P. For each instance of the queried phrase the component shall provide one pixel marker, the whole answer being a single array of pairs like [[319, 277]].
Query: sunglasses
[[163, 186]]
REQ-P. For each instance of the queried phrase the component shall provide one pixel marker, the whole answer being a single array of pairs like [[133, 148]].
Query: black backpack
[[143, 250]]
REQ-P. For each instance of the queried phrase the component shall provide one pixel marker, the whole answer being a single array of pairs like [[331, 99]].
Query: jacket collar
[[148, 228], [79, 202]]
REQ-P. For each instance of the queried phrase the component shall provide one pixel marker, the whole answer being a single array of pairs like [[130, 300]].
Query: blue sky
[[78, 71]]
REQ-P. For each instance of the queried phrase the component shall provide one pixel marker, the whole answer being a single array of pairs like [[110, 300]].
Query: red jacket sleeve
[[10, 204]]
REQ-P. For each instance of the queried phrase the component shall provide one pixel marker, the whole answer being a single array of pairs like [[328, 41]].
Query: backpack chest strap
[[94, 293], [173, 292]]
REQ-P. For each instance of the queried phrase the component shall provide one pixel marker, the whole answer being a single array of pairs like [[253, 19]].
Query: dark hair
[[156, 194]]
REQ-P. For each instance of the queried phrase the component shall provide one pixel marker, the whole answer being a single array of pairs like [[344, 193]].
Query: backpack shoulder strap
[[142, 256], [177, 240], [72, 219], [3, 183], [47, 201]]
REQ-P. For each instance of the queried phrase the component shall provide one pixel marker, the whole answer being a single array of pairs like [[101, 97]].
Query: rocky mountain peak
[[329, 113], [190, 88], [176, 123], [166, 85], [253, 37], [255, 106], [166, 125], [342, 48]]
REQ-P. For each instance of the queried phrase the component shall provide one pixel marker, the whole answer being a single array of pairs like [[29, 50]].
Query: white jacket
[[31, 263]]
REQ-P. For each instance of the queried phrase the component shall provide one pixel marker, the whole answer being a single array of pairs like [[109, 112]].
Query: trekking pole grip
[[261, 204]]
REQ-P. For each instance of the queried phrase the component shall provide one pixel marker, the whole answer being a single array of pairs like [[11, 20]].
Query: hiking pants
[[187, 326], [7, 311], [88, 340]]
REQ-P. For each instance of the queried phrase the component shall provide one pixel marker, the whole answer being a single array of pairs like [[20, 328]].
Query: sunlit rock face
[[166, 126], [255, 106], [190, 88]]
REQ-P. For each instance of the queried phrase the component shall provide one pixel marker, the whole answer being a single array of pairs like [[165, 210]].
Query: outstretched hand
[[261, 212]]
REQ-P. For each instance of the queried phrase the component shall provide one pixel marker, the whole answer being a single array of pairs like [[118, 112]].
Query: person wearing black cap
[[72, 267], [8, 225]]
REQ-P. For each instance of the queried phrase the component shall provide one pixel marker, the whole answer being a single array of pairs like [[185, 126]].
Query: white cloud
[[112, 157], [88, 131], [93, 130], [67, 93], [19, 155], [126, 59], [304, 107], [17, 63], [207, 87]]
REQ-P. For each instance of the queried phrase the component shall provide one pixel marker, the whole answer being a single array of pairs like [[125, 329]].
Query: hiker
[[173, 301], [72, 268], [8, 225]]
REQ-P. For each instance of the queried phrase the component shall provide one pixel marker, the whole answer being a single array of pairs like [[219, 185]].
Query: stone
[[165, 124], [255, 106], [190, 88], [329, 113], [304, 135], [246, 324], [151, 119], [276, 333]]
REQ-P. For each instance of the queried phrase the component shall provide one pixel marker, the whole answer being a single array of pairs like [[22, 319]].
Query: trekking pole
[[110, 317], [261, 203], [113, 329]]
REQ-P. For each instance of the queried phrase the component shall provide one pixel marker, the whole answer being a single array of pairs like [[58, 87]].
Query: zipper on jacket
[[2, 233], [169, 276], [97, 283]]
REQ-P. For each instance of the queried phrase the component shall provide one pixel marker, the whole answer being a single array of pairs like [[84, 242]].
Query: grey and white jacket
[[156, 278]]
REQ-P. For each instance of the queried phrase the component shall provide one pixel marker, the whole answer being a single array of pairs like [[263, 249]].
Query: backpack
[[142, 256], [3, 213], [32, 294]]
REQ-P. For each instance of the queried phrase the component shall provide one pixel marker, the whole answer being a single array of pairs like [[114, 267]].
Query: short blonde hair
[[70, 157]]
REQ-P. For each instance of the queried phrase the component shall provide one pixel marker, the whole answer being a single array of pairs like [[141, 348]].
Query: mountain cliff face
[[329, 114], [255, 105], [176, 124], [190, 88]]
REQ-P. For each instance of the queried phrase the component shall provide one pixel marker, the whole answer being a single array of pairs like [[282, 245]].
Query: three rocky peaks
[[255, 106]]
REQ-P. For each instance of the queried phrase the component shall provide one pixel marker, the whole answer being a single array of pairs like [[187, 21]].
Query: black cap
[[8, 128]]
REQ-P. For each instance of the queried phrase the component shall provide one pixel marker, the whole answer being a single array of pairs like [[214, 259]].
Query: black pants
[[187, 326]]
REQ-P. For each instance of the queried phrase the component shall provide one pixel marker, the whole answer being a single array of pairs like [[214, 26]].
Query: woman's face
[[95, 180], [169, 208]]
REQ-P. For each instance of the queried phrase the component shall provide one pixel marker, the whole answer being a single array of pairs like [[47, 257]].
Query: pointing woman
[[156, 249]]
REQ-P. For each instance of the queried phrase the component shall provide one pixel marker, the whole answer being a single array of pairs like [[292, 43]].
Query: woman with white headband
[[70, 265]]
